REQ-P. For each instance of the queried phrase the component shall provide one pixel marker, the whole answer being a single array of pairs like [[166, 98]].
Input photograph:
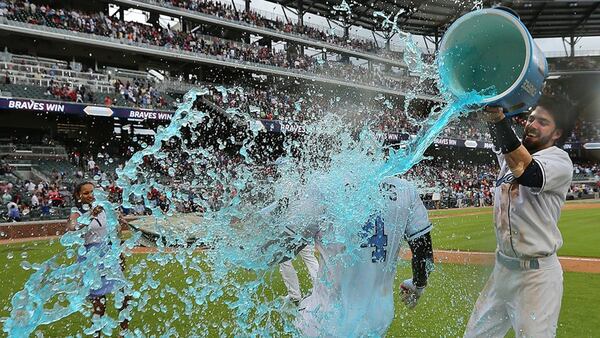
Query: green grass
[[443, 311], [579, 228]]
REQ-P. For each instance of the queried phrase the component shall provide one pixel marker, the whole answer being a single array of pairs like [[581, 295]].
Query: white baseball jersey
[[353, 294], [526, 218], [96, 231]]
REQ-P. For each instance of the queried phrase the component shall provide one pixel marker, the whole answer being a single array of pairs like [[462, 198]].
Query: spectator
[[91, 164], [35, 202], [13, 212], [55, 197], [6, 197], [436, 197], [45, 207]]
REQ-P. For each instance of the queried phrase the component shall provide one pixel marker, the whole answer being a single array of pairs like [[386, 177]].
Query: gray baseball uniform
[[525, 288]]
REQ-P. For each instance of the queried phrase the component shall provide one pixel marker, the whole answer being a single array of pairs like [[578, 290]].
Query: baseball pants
[[524, 298], [290, 277]]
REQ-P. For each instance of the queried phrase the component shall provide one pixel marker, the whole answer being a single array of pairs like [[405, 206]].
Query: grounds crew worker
[[526, 285]]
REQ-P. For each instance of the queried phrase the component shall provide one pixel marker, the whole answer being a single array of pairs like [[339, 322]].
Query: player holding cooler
[[353, 293], [525, 288]]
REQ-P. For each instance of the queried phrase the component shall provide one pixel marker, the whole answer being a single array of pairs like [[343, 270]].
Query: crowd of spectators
[[139, 92], [586, 170], [5, 168], [459, 184], [66, 91], [585, 131], [454, 184], [583, 190], [273, 104], [227, 11], [269, 103], [33, 199], [442, 183], [285, 108], [101, 24], [51, 197], [473, 128]]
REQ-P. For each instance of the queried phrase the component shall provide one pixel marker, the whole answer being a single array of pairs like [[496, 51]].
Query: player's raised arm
[[546, 126], [516, 155]]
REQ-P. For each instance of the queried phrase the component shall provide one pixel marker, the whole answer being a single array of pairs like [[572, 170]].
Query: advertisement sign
[[272, 126], [84, 109]]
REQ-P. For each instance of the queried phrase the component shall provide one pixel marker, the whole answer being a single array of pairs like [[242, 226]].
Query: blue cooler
[[491, 51]]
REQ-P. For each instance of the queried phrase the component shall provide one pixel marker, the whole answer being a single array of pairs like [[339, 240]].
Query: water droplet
[[25, 265]]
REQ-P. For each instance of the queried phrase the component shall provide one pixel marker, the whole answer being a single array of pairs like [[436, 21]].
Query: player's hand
[[492, 114], [410, 293]]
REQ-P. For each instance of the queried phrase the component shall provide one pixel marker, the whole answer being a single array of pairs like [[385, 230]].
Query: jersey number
[[378, 240]]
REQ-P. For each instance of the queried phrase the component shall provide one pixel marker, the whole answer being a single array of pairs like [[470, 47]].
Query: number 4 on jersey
[[378, 240]]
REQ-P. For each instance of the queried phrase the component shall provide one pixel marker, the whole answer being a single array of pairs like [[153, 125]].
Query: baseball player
[[353, 294], [526, 285]]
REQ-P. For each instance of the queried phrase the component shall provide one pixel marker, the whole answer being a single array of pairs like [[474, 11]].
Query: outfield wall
[[15, 230], [33, 229]]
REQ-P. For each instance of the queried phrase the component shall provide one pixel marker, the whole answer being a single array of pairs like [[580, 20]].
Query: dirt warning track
[[569, 264]]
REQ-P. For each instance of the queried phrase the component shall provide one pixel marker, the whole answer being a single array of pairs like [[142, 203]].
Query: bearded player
[[525, 288]]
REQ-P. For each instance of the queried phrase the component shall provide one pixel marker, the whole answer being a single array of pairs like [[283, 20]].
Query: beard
[[535, 144]]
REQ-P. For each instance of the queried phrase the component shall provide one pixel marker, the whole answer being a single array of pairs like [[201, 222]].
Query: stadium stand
[[99, 24], [458, 184], [42, 78], [274, 22], [48, 169], [124, 87]]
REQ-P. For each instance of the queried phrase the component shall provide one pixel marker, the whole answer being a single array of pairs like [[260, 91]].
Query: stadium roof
[[544, 19]]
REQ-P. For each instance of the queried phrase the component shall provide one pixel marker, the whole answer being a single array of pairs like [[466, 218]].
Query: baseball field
[[442, 312]]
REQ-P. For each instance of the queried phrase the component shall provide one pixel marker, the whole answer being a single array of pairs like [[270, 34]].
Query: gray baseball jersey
[[526, 218]]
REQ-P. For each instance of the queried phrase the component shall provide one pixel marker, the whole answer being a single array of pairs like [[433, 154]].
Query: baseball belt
[[512, 263]]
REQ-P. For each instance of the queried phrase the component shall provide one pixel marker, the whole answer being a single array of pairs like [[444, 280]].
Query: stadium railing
[[24, 150], [33, 61], [56, 64], [583, 177], [45, 67], [46, 80]]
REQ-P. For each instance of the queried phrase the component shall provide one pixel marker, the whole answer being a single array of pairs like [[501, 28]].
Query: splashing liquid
[[332, 179]]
